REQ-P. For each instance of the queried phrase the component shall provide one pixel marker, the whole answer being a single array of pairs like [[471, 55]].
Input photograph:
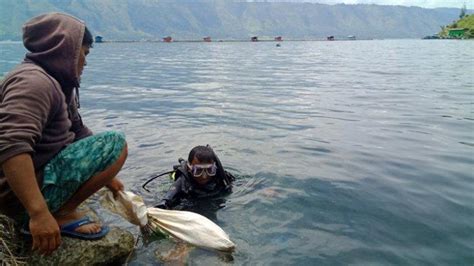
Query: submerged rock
[[114, 248]]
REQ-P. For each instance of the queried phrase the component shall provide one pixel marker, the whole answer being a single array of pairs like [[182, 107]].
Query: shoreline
[[235, 41]]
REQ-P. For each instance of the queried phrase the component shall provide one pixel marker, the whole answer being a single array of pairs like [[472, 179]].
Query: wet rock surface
[[113, 249]]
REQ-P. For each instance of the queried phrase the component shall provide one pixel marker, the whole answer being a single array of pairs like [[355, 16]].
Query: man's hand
[[21, 177], [115, 186], [45, 233]]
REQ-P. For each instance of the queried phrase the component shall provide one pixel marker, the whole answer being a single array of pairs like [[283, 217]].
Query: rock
[[10, 244], [112, 249]]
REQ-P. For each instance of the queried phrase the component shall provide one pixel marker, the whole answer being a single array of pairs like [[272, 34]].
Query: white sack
[[188, 226], [192, 228], [127, 204]]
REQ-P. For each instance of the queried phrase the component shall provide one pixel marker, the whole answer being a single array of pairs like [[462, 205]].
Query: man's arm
[[20, 175]]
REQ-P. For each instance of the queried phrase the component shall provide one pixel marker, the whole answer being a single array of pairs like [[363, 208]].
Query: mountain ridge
[[152, 19]]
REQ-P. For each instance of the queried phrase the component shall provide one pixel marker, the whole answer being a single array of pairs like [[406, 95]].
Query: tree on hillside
[[463, 11]]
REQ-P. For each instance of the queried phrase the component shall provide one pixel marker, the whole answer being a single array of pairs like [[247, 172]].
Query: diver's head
[[201, 164]]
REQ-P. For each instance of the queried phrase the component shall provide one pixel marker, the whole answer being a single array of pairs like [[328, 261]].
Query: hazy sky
[[421, 3]]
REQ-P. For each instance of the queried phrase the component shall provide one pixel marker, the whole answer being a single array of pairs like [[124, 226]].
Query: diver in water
[[201, 176]]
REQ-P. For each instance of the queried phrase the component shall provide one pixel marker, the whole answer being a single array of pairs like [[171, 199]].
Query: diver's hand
[[115, 186], [45, 232], [163, 205]]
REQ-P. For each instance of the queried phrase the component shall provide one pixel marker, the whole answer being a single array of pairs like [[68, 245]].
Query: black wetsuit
[[185, 187]]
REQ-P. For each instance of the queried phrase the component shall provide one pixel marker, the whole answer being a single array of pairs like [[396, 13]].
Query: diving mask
[[198, 170]]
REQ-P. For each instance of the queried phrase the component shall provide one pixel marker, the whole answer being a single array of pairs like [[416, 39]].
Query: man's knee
[[119, 143], [114, 136]]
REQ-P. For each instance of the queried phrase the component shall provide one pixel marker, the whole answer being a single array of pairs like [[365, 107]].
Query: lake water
[[356, 152]]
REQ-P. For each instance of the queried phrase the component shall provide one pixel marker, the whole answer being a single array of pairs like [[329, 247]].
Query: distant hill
[[222, 19]]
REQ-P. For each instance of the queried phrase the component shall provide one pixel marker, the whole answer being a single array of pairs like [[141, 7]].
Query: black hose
[[153, 178]]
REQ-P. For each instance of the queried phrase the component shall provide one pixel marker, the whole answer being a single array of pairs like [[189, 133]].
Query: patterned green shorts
[[78, 162]]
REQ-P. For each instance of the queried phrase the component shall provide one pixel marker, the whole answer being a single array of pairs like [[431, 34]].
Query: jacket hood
[[54, 42]]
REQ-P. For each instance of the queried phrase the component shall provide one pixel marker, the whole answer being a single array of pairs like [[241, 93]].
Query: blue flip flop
[[69, 229]]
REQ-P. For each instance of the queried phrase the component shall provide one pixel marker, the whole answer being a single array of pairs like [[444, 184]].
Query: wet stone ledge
[[113, 249]]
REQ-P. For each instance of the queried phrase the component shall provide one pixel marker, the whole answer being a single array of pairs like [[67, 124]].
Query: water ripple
[[346, 152]]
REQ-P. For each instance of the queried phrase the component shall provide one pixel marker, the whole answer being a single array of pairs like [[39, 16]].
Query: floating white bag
[[190, 227], [127, 204]]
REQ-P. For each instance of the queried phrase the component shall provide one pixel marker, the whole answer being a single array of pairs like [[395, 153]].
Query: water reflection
[[349, 152]]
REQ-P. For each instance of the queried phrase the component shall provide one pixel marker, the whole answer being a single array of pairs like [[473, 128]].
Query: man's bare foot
[[91, 228]]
